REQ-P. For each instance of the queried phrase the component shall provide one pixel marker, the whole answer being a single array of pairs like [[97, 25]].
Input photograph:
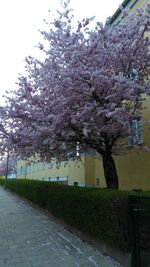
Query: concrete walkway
[[28, 238]]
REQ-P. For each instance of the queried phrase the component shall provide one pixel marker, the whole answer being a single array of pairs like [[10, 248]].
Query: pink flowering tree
[[85, 93]]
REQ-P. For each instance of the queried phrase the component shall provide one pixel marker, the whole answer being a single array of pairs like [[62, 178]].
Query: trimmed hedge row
[[99, 213], [2, 181]]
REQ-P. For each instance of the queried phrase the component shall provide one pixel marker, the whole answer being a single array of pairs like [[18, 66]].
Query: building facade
[[79, 173]]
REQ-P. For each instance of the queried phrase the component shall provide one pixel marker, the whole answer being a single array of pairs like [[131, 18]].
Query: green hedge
[[2, 181], [99, 213]]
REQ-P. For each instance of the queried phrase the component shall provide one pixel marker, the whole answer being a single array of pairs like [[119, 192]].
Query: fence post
[[134, 215], [7, 168]]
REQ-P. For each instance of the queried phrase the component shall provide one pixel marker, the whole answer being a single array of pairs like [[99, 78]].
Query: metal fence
[[139, 214]]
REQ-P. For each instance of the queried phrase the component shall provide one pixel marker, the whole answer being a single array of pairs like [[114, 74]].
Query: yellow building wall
[[42, 171], [139, 4], [134, 167], [99, 173], [76, 172], [90, 171], [73, 172]]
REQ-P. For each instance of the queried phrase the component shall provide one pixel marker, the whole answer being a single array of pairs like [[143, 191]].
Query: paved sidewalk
[[28, 238]]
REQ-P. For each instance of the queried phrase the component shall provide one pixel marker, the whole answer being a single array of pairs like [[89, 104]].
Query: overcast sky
[[19, 24]]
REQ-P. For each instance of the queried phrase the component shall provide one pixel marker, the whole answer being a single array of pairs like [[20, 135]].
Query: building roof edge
[[118, 11]]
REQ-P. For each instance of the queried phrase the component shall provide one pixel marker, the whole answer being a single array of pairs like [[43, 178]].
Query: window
[[26, 169], [23, 170], [29, 169], [34, 167], [58, 164], [97, 181], [135, 137], [49, 164], [40, 166], [43, 165]]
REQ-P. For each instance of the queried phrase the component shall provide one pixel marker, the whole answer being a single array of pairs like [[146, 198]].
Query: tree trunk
[[110, 172]]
